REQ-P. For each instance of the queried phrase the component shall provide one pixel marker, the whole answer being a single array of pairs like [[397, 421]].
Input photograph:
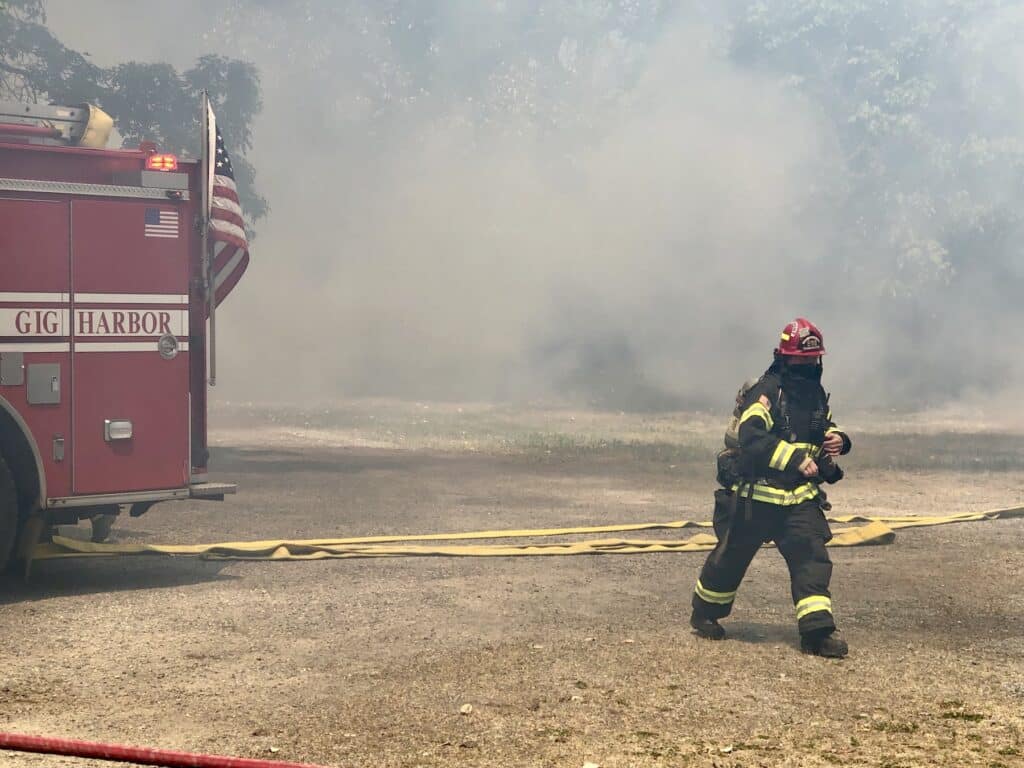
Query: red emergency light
[[164, 162]]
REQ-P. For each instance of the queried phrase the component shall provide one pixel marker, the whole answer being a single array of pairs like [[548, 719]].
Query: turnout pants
[[799, 531]]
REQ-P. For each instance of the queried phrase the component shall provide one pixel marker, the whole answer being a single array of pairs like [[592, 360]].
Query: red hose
[[167, 758]]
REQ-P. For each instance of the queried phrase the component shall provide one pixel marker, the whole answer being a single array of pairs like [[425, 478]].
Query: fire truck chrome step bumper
[[214, 491], [118, 498]]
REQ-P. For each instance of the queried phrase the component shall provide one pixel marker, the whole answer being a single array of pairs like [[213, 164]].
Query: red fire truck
[[103, 326]]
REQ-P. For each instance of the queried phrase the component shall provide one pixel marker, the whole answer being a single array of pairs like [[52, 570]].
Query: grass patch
[[557, 735], [739, 746], [558, 445], [1008, 751], [893, 726], [566, 432], [957, 452], [651, 747], [970, 717], [956, 710], [658, 751], [559, 431]]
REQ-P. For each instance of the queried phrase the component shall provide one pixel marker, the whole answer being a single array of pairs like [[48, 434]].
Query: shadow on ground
[[85, 576]]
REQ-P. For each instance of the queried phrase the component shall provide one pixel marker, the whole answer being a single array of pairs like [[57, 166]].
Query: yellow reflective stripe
[[812, 604], [778, 496], [834, 427], [710, 596], [783, 453], [758, 410], [810, 449], [785, 337]]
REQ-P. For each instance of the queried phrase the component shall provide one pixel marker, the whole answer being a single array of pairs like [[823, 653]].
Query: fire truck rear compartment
[[103, 339]]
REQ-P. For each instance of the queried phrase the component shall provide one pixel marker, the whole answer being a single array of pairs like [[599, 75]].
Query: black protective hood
[[802, 382]]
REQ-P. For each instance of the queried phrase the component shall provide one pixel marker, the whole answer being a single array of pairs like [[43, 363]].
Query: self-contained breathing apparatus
[[734, 468]]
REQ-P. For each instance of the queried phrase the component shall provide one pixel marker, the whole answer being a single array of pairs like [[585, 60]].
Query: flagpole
[[208, 279]]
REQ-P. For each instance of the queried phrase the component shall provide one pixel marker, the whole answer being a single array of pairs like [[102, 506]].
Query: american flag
[[227, 229], [160, 223]]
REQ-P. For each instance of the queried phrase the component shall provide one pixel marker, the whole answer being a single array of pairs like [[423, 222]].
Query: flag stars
[[226, 228], [223, 160]]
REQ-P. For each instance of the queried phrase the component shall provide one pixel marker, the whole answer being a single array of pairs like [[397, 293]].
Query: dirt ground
[[564, 661]]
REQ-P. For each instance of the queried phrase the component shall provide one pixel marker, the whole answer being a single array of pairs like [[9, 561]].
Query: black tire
[[8, 513]]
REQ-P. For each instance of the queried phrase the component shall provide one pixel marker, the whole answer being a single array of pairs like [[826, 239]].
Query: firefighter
[[781, 447]]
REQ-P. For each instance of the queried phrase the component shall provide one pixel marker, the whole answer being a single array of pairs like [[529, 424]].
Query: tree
[[156, 102], [147, 100], [924, 101], [928, 138]]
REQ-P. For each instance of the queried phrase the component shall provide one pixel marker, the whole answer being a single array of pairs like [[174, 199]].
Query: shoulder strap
[[774, 388]]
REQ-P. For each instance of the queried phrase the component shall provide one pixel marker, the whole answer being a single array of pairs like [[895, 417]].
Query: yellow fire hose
[[873, 530]]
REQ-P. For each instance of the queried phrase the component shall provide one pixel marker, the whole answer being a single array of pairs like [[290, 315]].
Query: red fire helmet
[[801, 338]]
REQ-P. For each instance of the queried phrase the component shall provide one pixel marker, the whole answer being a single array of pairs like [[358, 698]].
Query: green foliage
[[927, 121], [33, 63], [154, 101], [151, 101], [922, 98]]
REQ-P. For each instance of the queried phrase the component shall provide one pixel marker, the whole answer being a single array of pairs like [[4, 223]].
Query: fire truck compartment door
[[35, 281], [130, 278]]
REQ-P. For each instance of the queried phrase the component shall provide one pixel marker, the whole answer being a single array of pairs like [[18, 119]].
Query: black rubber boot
[[830, 644], [709, 628]]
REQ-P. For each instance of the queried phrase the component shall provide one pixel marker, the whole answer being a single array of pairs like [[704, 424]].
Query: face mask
[[802, 381], [803, 372]]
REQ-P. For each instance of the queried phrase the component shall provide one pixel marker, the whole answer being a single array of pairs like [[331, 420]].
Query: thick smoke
[[499, 260], [520, 200]]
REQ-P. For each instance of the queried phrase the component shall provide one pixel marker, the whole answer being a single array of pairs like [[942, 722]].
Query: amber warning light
[[162, 163]]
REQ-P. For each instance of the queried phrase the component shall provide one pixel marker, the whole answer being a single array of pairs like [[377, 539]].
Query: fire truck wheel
[[8, 513]]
